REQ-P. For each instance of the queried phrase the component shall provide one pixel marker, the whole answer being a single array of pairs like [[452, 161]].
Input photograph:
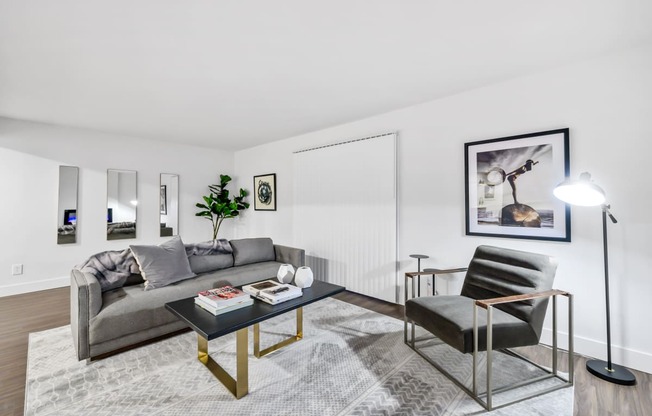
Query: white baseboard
[[36, 286], [638, 360]]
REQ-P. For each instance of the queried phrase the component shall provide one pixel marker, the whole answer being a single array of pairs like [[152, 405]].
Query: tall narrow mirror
[[122, 199], [169, 204], [67, 213]]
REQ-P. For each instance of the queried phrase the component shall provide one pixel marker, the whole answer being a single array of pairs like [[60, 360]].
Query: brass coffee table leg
[[261, 353], [239, 386]]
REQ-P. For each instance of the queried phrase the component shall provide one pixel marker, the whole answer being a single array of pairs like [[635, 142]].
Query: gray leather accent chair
[[514, 288]]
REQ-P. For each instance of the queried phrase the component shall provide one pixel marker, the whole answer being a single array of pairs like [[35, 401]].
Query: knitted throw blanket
[[208, 248], [111, 268]]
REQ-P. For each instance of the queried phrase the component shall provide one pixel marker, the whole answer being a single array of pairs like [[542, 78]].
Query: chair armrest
[[485, 303], [290, 255], [430, 272]]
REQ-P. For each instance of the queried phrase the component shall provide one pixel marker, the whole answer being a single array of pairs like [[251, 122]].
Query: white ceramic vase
[[285, 273], [303, 277]]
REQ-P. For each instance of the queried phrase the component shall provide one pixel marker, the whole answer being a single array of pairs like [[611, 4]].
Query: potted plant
[[218, 205]]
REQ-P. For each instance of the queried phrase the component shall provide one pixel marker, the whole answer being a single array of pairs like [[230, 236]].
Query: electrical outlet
[[16, 269]]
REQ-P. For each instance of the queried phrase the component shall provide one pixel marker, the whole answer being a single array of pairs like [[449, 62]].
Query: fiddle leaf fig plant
[[218, 206]]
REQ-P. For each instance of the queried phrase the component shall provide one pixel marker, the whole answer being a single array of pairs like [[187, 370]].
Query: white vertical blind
[[346, 214]]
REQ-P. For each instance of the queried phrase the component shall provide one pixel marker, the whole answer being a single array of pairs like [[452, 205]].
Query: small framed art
[[265, 192], [509, 184]]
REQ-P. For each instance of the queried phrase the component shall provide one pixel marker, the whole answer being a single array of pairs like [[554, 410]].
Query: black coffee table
[[209, 327]]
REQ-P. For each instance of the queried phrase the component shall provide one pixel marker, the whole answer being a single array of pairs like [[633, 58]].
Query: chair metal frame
[[485, 399]]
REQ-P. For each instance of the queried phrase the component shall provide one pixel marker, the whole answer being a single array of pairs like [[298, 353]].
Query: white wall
[[607, 104], [30, 155]]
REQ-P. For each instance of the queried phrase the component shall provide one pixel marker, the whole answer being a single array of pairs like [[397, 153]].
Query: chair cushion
[[450, 318]]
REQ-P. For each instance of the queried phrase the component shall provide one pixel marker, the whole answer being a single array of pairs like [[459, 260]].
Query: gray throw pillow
[[164, 264], [252, 250]]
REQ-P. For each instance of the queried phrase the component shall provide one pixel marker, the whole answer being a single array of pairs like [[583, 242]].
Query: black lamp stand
[[607, 370]]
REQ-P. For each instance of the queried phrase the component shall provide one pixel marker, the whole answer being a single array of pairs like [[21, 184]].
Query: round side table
[[418, 257], [435, 272]]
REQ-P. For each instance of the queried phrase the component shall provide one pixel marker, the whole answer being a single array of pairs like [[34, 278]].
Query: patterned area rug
[[350, 362]]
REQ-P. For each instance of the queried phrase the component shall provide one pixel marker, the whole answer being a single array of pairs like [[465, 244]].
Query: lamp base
[[618, 375]]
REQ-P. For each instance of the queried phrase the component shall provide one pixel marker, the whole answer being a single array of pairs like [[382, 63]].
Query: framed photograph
[[509, 184], [164, 199], [265, 192]]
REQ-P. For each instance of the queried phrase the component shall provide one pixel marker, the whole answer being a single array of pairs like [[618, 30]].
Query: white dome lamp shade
[[584, 192], [285, 273]]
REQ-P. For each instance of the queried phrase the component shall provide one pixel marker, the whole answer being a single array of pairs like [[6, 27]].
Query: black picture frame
[[509, 183], [265, 192], [164, 199]]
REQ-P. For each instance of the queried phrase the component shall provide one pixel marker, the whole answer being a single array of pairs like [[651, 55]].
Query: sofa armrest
[[85, 303], [290, 255]]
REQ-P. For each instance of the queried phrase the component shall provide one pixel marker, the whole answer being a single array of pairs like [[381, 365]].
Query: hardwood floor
[[32, 312], [20, 315]]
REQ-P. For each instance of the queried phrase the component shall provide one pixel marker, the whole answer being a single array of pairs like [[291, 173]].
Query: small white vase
[[285, 273], [303, 277]]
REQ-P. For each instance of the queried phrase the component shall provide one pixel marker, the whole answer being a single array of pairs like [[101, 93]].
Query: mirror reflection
[[122, 199], [169, 204], [67, 213]]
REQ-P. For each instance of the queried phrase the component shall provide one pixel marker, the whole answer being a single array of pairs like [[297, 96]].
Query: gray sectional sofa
[[103, 322]]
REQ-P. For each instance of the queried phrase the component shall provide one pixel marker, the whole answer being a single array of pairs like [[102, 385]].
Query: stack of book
[[273, 292], [223, 299]]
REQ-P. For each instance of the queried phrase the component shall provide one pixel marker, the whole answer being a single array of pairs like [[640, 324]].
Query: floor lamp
[[584, 192]]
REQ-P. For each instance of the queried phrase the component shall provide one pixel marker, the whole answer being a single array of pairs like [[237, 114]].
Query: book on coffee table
[[218, 311], [222, 297], [272, 297], [254, 288], [273, 292]]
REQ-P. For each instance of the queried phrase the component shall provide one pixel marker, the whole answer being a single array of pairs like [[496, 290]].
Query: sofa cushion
[[134, 279], [129, 310], [252, 250], [164, 264], [203, 264]]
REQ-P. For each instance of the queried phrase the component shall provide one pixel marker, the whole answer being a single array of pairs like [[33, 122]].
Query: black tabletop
[[210, 326]]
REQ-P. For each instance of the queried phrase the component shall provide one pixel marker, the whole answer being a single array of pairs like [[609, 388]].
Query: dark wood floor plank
[[19, 316]]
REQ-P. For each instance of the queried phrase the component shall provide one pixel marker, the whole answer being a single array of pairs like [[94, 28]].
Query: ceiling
[[236, 74]]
